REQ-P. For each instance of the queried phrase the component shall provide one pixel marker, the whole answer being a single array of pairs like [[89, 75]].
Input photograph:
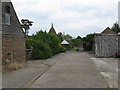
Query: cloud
[[76, 17]]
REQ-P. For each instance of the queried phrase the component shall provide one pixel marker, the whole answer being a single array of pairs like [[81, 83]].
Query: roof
[[119, 33], [64, 42], [52, 30], [108, 31]]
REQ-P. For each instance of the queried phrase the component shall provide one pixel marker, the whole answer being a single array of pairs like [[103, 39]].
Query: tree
[[78, 37], [44, 44], [26, 25], [88, 38], [76, 41], [68, 37], [60, 35], [116, 28]]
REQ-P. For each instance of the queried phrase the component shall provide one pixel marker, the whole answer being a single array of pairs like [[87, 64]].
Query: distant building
[[52, 30], [64, 42], [108, 31], [107, 43], [13, 43]]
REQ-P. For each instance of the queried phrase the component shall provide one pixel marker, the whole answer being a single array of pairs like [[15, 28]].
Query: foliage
[[44, 44], [116, 28], [60, 35], [88, 38], [68, 37], [88, 42], [41, 50], [78, 37], [76, 42], [62, 49], [74, 49]]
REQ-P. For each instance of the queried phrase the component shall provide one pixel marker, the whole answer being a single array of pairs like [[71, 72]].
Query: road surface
[[72, 70], [65, 70]]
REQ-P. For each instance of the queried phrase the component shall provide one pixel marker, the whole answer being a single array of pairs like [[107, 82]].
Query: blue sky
[[74, 17]]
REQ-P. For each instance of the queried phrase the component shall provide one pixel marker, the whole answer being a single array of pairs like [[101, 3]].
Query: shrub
[[44, 45], [53, 42], [40, 49], [62, 49]]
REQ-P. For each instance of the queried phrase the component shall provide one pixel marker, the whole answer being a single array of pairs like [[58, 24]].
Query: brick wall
[[13, 43]]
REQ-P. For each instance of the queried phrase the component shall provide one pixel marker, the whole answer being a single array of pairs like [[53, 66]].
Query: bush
[[51, 39], [44, 45], [40, 49], [53, 42], [62, 49]]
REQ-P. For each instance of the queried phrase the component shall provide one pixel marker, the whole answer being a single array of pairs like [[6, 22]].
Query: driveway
[[73, 70], [24, 77], [65, 70]]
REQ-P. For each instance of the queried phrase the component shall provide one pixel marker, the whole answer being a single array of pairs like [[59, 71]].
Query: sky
[[74, 17]]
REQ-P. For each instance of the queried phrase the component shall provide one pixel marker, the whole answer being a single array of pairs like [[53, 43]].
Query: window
[[7, 19], [9, 56]]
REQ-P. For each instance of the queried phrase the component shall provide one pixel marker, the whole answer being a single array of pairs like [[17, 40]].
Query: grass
[[14, 66], [74, 49]]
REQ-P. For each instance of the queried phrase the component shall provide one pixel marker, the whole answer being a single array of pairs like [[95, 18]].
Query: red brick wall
[[14, 45]]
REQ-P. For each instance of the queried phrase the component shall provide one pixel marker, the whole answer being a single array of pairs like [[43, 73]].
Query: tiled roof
[[52, 30], [108, 31]]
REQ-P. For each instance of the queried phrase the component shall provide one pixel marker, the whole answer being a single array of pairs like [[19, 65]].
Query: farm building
[[13, 44], [52, 30], [107, 43]]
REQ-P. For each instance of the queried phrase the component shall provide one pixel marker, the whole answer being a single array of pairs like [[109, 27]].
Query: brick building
[[107, 43], [13, 44]]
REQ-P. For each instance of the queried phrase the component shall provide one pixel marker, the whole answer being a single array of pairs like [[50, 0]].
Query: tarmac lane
[[65, 70], [73, 70]]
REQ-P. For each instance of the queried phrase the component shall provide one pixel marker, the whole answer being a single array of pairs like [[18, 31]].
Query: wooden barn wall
[[106, 45]]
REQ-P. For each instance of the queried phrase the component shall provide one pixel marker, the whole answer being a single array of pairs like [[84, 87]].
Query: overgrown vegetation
[[14, 66], [44, 45]]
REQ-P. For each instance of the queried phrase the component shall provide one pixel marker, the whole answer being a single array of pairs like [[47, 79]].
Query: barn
[[13, 42], [107, 43]]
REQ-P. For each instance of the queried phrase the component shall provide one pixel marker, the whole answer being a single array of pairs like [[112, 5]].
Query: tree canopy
[[116, 28]]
